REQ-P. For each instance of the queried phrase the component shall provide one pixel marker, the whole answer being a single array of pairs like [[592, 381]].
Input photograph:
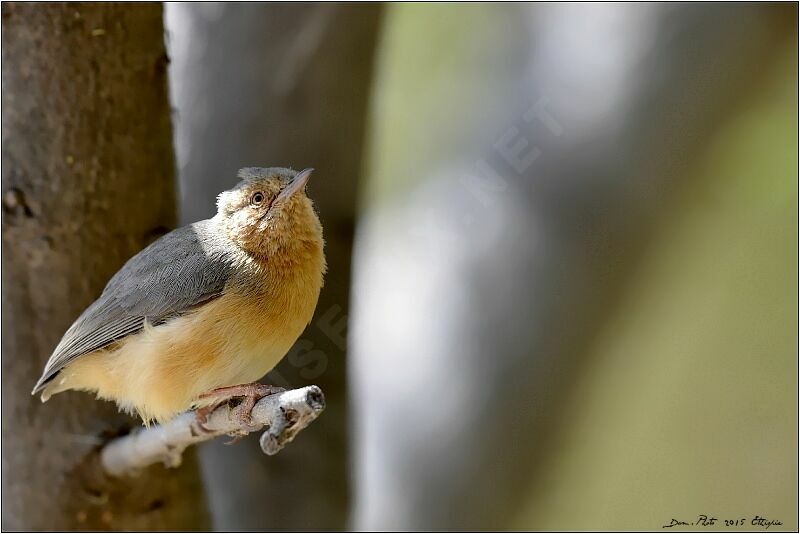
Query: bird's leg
[[249, 393]]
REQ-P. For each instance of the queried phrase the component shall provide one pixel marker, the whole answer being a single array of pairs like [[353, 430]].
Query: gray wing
[[182, 269]]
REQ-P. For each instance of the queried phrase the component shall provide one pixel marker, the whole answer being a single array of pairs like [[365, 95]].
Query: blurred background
[[562, 248]]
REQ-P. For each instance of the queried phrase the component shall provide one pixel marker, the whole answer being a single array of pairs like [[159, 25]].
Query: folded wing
[[177, 272]]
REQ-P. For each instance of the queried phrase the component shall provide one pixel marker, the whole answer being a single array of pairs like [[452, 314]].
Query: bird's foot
[[201, 415], [249, 393]]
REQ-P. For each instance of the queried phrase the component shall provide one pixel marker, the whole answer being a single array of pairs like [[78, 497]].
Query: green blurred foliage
[[688, 402], [442, 72]]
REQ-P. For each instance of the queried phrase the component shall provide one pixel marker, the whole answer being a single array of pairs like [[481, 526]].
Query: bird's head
[[269, 215]]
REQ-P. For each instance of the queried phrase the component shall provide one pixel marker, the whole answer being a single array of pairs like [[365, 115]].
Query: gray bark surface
[[87, 181], [286, 85]]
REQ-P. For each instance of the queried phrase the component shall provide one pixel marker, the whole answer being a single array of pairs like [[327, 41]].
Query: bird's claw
[[250, 394], [237, 437], [201, 417]]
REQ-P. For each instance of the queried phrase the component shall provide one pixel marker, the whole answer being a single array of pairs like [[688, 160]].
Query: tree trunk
[[280, 85], [538, 168], [87, 181]]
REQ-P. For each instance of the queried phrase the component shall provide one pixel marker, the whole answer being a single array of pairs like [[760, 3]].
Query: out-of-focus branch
[[283, 415]]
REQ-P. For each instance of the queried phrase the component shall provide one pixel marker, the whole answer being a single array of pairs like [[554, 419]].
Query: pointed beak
[[297, 184]]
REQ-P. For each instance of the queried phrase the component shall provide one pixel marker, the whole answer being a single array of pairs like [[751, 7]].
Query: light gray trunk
[[280, 85], [477, 295]]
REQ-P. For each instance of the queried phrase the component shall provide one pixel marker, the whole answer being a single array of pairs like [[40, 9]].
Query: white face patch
[[225, 202]]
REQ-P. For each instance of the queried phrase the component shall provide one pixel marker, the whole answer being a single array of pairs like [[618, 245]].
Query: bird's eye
[[257, 198]]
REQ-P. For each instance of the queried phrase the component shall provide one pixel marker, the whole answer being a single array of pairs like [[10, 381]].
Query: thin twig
[[283, 415]]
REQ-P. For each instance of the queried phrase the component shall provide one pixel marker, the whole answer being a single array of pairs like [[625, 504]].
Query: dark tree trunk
[[87, 181], [280, 85]]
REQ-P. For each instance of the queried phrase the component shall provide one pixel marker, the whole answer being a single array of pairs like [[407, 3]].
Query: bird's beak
[[297, 184]]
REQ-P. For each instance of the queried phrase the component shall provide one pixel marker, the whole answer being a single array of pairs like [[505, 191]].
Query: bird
[[205, 311]]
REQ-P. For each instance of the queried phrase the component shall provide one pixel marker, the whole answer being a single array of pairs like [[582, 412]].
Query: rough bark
[[278, 84], [87, 181]]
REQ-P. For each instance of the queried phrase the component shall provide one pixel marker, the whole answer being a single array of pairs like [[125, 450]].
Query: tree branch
[[283, 415]]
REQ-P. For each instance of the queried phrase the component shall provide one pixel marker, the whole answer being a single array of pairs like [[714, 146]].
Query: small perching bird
[[204, 311]]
